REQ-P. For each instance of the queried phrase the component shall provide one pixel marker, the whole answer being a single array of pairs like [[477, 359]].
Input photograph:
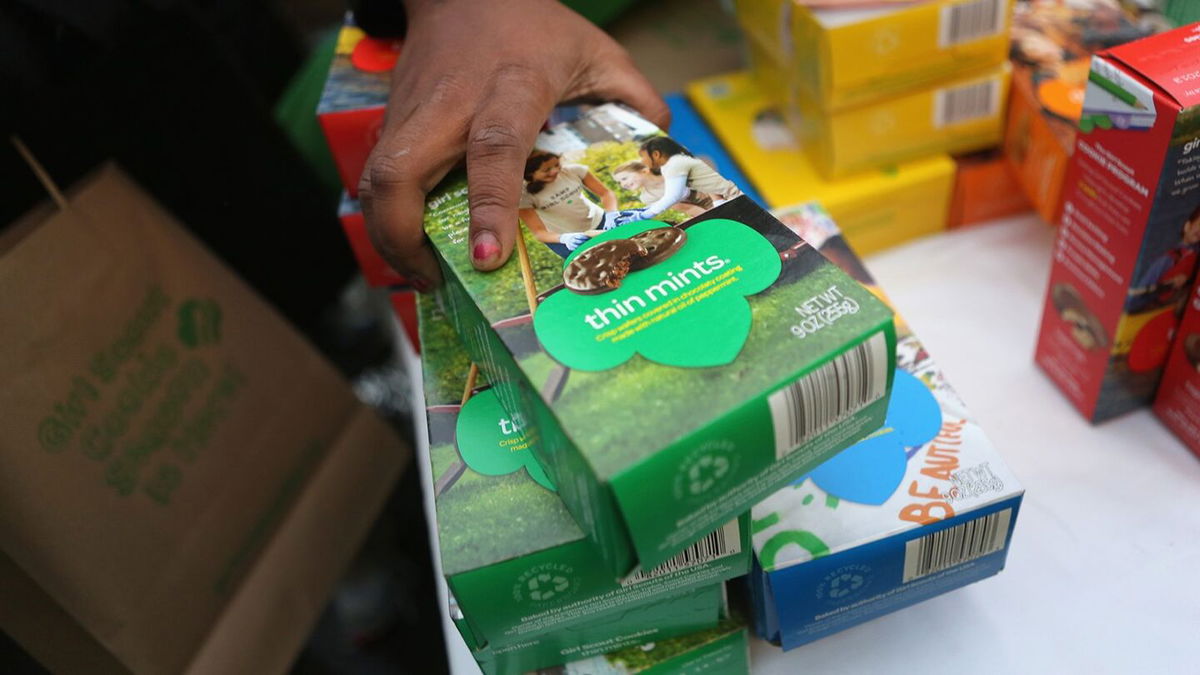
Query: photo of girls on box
[[608, 168]]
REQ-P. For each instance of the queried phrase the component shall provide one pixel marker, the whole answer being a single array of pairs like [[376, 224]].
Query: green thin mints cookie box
[[724, 650], [673, 353], [515, 561], [677, 617]]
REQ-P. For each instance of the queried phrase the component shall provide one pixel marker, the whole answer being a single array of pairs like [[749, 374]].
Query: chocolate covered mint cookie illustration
[[601, 268], [696, 278], [660, 243], [1191, 347], [1085, 327]]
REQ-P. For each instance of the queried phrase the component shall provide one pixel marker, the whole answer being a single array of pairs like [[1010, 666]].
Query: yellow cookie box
[[952, 116], [848, 57], [875, 209]]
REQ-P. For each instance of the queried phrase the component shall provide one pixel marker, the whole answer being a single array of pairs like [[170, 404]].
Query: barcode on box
[[807, 407], [970, 21], [723, 541], [956, 545], [975, 101]]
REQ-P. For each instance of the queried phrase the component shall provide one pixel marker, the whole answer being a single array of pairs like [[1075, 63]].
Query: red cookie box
[[1052, 42], [1130, 238], [374, 268], [1178, 400], [404, 303], [354, 99]]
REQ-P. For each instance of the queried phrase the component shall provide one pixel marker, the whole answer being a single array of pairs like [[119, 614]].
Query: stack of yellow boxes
[[875, 209], [861, 109], [865, 88]]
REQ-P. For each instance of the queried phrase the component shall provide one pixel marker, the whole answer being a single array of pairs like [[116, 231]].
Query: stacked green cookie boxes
[[723, 650], [529, 590], [923, 506], [702, 379]]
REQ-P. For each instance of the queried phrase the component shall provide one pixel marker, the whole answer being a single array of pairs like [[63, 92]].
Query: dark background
[[181, 93]]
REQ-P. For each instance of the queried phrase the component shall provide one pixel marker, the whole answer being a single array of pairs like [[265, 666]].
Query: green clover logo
[[493, 443], [199, 322], [689, 309]]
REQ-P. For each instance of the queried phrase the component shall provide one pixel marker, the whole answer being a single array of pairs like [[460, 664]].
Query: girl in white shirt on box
[[554, 205], [682, 172], [636, 176]]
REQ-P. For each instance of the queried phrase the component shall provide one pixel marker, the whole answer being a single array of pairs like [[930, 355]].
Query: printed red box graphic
[[1126, 253], [354, 99], [1178, 400], [1052, 42]]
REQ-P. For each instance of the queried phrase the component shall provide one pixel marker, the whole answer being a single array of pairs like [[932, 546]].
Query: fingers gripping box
[[1127, 249], [527, 582], [668, 375], [354, 99], [1177, 403], [923, 506]]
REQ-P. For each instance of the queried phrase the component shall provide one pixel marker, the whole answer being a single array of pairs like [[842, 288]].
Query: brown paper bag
[[182, 477]]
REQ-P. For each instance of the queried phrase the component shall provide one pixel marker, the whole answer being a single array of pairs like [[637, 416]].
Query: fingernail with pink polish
[[485, 248], [420, 283]]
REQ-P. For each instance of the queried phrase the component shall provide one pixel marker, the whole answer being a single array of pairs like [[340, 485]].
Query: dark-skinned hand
[[476, 79]]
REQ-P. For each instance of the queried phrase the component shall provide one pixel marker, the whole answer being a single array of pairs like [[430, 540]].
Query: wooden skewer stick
[[448, 479], [526, 272], [42, 175], [458, 467], [472, 374]]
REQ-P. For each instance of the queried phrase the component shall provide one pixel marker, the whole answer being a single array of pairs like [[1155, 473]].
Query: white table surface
[[1104, 570]]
